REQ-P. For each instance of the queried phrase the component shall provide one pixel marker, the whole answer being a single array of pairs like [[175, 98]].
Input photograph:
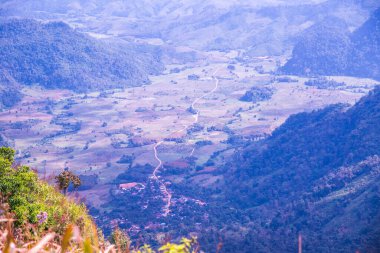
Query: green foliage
[[7, 154], [35, 202], [186, 246]]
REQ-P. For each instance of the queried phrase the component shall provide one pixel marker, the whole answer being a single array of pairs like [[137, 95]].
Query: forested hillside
[[318, 174], [56, 56], [328, 48]]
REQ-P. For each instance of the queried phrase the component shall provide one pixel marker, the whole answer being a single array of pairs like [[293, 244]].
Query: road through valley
[[163, 188]]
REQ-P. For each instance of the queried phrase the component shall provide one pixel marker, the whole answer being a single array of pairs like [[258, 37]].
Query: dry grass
[[73, 242]]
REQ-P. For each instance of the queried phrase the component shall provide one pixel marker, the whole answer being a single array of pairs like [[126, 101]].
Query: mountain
[[329, 49], [56, 56]]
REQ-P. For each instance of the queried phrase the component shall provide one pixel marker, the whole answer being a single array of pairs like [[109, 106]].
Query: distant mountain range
[[54, 55], [328, 48], [264, 27]]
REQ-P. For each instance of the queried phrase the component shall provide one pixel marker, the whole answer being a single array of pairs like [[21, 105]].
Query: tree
[[64, 179], [121, 240], [7, 153]]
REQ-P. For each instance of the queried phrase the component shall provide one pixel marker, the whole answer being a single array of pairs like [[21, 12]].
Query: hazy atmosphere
[[190, 126]]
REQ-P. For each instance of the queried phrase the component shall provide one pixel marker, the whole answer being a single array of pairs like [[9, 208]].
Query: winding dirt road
[[164, 190]]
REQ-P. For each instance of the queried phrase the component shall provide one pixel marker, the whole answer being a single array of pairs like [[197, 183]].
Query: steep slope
[[330, 50], [56, 56]]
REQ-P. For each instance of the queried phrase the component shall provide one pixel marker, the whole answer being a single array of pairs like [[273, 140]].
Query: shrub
[[34, 202]]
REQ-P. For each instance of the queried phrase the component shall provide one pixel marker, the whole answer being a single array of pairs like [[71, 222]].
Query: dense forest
[[56, 56]]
